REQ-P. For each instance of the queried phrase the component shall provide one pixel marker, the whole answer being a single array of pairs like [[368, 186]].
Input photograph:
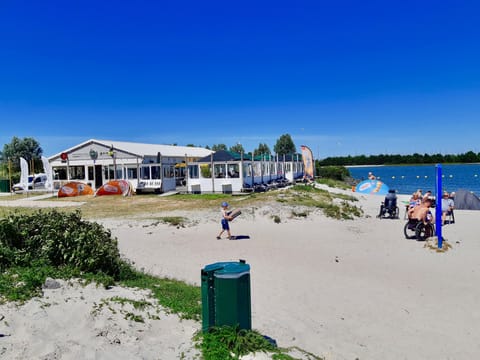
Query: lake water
[[407, 179]]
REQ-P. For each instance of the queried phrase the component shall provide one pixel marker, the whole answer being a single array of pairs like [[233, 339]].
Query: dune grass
[[334, 205]]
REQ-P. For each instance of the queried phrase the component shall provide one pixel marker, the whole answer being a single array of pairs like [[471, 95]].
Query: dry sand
[[86, 322], [339, 289]]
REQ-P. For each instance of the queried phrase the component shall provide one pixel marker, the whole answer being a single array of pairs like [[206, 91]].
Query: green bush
[[334, 172], [58, 239]]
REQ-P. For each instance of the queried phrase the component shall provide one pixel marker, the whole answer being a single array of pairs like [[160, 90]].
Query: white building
[[148, 167], [229, 172]]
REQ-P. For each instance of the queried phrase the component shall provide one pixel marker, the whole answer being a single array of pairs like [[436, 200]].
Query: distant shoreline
[[360, 166], [432, 164]]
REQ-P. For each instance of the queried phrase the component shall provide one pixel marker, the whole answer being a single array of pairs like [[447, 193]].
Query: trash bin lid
[[228, 270]]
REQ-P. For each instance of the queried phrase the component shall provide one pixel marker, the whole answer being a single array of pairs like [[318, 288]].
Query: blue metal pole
[[438, 205]]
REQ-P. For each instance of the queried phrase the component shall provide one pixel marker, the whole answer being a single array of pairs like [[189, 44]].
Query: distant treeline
[[383, 159]]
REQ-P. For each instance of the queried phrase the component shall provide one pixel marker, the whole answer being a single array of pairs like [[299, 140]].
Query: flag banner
[[24, 174], [48, 171], [307, 161]]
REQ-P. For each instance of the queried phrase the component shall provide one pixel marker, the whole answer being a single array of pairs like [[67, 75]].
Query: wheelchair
[[390, 208], [416, 229], [450, 218]]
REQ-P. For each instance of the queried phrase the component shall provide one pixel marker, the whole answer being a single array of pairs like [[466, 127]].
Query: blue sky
[[343, 77]]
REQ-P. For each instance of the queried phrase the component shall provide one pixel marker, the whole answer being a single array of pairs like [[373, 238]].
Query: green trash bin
[[4, 185], [226, 295]]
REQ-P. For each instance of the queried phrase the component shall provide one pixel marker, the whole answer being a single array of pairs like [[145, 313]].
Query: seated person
[[420, 194], [427, 194], [391, 199], [389, 204], [447, 206], [414, 201], [422, 212]]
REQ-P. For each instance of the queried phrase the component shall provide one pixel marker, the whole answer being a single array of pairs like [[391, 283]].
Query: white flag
[[24, 174], [48, 171]]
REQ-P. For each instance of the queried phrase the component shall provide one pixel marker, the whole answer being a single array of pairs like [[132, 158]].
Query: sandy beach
[[353, 289]]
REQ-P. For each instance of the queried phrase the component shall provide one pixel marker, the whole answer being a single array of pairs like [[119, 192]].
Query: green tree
[[262, 149], [3, 166], [218, 147], [28, 148], [468, 157], [285, 145], [416, 158], [238, 148]]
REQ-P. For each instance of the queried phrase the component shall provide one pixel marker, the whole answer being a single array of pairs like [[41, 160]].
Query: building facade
[[148, 167], [229, 172]]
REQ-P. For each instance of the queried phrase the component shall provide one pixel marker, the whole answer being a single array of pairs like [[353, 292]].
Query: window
[[247, 170], [168, 171], [233, 170], [156, 174], [206, 171], [145, 172], [60, 173], [264, 168], [77, 172], [193, 171], [90, 173], [219, 170], [131, 173], [110, 175], [257, 169]]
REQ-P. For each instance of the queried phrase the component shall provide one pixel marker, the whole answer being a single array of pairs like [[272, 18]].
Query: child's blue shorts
[[225, 225]]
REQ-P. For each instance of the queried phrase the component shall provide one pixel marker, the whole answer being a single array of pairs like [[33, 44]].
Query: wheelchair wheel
[[409, 231], [395, 213], [423, 232], [381, 214]]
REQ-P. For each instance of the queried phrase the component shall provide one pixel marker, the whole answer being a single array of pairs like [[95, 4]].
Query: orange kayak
[[74, 188], [114, 187]]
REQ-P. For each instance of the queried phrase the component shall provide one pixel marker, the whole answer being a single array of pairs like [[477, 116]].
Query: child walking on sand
[[225, 219]]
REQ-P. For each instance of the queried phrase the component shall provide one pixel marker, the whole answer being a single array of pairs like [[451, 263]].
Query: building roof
[[223, 155], [141, 150]]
